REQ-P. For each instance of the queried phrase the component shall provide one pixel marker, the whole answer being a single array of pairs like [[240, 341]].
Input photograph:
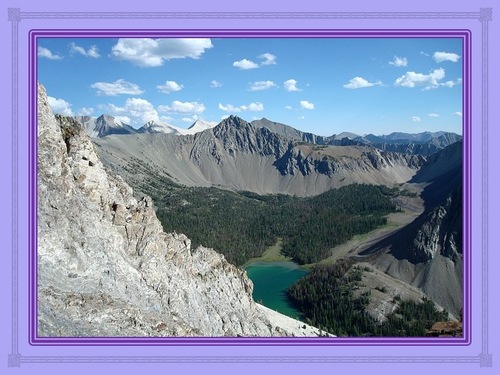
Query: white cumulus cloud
[[46, 53], [360, 82], [445, 56], [137, 110], [428, 81], [269, 59], [451, 84], [459, 114], [92, 51], [262, 85], [166, 119], [189, 120], [399, 61], [433, 115], [177, 106], [215, 83], [84, 111], [245, 64], [123, 119], [416, 119], [254, 107], [60, 106], [119, 87], [306, 104], [147, 52], [291, 85], [229, 108], [170, 86]]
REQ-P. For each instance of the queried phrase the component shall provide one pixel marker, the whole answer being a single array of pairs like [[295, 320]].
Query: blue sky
[[321, 85]]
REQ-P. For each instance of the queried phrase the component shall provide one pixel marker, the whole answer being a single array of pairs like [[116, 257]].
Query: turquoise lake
[[271, 279]]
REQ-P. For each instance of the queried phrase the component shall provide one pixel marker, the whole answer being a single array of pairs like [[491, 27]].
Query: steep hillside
[[427, 253], [106, 268]]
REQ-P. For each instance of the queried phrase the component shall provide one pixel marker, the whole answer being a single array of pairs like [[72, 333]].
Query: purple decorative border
[[485, 17], [35, 340], [15, 16]]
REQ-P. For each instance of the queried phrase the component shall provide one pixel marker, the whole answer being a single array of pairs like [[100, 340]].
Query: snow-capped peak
[[104, 125], [162, 127], [200, 125], [153, 126]]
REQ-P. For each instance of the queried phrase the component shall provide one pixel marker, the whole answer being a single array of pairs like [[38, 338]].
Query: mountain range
[[425, 143], [104, 125], [239, 155], [262, 157]]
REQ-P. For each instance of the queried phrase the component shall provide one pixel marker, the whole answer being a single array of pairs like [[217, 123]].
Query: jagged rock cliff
[[106, 268]]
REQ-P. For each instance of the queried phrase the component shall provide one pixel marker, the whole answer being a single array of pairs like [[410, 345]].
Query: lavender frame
[[464, 35], [15, 359]]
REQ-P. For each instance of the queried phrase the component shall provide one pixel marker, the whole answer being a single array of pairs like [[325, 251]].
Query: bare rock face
[[439, 234], [106, 268]]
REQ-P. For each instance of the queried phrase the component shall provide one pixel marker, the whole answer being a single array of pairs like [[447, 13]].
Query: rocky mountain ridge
[[105, 266], [104, 125], [238, 155], [425, 143]]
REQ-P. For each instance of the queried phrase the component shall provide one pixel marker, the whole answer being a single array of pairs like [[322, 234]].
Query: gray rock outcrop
[[106, 268]]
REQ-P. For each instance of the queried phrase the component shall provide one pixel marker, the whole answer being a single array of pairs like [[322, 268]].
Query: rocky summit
[[105, 266]]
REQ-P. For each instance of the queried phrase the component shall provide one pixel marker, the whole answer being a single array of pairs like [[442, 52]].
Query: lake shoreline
[[271, 281], [283, 263]]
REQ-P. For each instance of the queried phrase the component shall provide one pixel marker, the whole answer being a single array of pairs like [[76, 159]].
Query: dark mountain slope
[[428, 252]]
